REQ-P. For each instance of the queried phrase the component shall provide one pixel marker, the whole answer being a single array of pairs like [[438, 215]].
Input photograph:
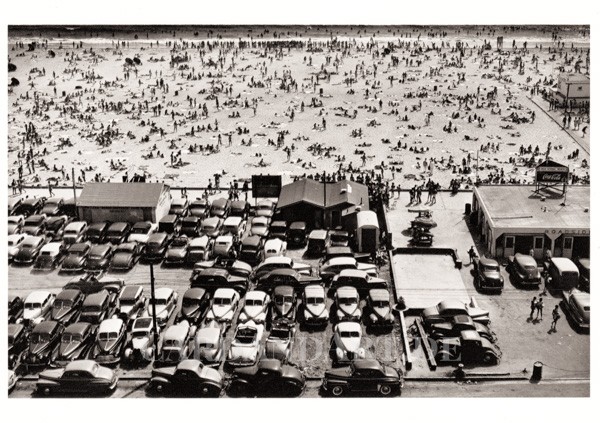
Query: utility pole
[[324, 201], [74, 191], [153, 301]]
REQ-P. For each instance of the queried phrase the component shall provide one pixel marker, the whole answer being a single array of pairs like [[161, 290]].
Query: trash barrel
[[537, 371], [467, 208], [458, 264]]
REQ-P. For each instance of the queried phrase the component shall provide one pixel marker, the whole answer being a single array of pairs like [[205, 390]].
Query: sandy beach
[[182, 105]]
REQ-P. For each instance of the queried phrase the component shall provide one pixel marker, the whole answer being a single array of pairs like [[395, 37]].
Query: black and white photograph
[[299, 210]]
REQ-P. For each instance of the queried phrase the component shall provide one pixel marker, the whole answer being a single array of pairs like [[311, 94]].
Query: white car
[[347, 304], [346, 338], [265, 208], [315, 306], [256, 307], [141, 231], [234, 225], [37, 306], [281, 262], [14, 244], [260, 226], [166, 304], [334, 266], [245, 349], [15, 224], [224, 246], [275, 247], [209, 343], [223, 306]]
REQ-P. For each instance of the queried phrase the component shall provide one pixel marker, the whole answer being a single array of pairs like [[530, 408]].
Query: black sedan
[[43, 344], [55, 227], [15, 308], [188, 377], [362, 376], [29, 250], [79, 377], [67, 306], [267, 377], [75, 343], [77, 255], [99, 258], [125, 256]]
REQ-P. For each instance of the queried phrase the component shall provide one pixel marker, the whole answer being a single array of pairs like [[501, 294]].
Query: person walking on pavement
[[533, 307], [555, 317], [540, 309], [472, 254]]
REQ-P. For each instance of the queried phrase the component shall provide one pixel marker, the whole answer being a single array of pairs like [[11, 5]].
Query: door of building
[[568, 247], [538, 247], [509, 245]]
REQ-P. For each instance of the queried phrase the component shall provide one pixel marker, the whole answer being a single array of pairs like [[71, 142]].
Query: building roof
[[312, 192], [517, 206], [575, 78], [100, 194]]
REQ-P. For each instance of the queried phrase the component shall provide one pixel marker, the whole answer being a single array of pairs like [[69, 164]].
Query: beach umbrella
[[14, 82], [129, 61], [12, 67], [137, 61]]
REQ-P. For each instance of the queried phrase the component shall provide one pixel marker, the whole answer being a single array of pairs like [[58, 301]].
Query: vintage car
[[524, 270], [188, 377], [314, 302], [245, 349], [379, 310], [14, 244], [283, 310], [212, 279], [334, 266], [140, 348], [234, 226], [576, 304], [194, 305], [191, 226], [18, 341], [141, 231], [43, 344], [275, 247], [445, 310], [240, 208], [12, 380], [468, 348], [362, 376], [199, 208], [76, 342], [177, 251], [78, 377], [358, 279], [53, 206], [131, 302], [225, 246], [156, 247], [265, 208], [111, 339], [50, 257], [37, 307], [346, 342], [211, 226], [280, 341], [220, 208], [30, 206], [15, 308], [91, 283], [118, 232], [13, 204], [317, 242], [347, 304], [76, 257], [15, 224], [55, 227], [35, 225], [251, 249], [75, 232], [296, 236], [67, 306], [259, 226], [209, 343], [169, 224], [339, 238], [256, 307], [177, 344], [166, 304], [280, 262], [268, 377], [125, 256], [98, 307], [200, 249], [487, 275], [99, 258], [232, 266], [279, 230], [223, 306], [179, 207], [29, 250], [454, 327], [96, 232], [583, 264]]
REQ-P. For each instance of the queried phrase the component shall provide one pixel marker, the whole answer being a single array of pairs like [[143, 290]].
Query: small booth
[[367, 232]]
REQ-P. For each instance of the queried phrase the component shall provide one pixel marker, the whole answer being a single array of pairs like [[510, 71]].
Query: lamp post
[[153, 301]]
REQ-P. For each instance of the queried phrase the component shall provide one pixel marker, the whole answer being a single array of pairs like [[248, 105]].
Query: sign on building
[[550, 173], [266, 186]]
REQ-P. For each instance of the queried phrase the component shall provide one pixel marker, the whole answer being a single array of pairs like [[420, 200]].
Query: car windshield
[[491, 268], [140, 333], [68, 338], [179, 242], [143, 230], [246, 336], [96, 256], [254, 302], [349, 334], [38, 338], [172, 343], [11, 242], [381, 304], [62, 304], [91, 309], [339, 238], [208, 227], [206, 345], [142, 323], [348, 300], [127, 301], [259, 224], [280, 333], [32, 306], [315, 300], [189, 224], [107, 336], [222, 301], [282, 299], [190, 302], [159, 301]]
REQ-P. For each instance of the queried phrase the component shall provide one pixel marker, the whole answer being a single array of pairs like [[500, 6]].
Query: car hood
[[492, 275], [348, 309], [382, 311], [107, 346], [140, 342], [126, 309], [25, 253], [221, 310], [284, 308], [121, 258], [31, 314], [276, 348], [60, 313], [253, 311], [349, 344], [316, 309], [243, 351], [66, 350], [176, 252], [41, 347], [72, 261], [141, 238], [260, 230]]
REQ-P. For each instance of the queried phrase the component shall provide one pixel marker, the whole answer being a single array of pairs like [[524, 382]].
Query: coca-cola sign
[[550, 174]]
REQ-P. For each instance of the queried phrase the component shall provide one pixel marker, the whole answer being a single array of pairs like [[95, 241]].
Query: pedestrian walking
[[555, 317], [533, 307], [472, 254], [50, 191], [540, 309]]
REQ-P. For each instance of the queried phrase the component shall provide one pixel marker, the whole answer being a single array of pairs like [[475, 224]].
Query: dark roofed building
[[307, 199], [123, 202]]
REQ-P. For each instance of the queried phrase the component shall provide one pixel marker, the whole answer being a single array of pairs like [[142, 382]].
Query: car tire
[[159, 387], [385, 390], [489, 358], [337, 391]]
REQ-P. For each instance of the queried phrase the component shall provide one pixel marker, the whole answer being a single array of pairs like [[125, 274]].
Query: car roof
[[194, 293], [68, 294], [470, 335], [354, 273], [340, 260], [273, 242], [33, 239], [45, 326], [224, 292], [100, 248], [200, 201], [253, 240], [462, 319], [145, 225], [283, 290], [238, 204], [178, 201], [81, 366], [54, 200], [379, 294], [36, 217], [77, 328], [261, 219], [314, 290], [220, 202], [157, 237], [37, 297], [451, 304], [281, 223], [118, 226], [317, 234], [583, 298], [96, 297], [130, 291], [525, 259], [348, 326], [192, 218], [14, 329], [53, 247], [270, 364], [564, 264], [163, 292], [53, 219], [256, 295], [110, 325], [366, 363], [75, 225], [178, 331], [200, 241], [213, 271], [298, 225], [169, 218], [584, 262], [14, 237], [283, 272], [224, 238], [346, 291], [488, 261], [211, 221], [233, 220], [208, 335], [277, 259], [98, 225], [189, 364]]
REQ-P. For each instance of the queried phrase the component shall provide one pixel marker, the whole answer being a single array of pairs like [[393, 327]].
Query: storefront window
[[539, 243], [568, 243], [510, 242]]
